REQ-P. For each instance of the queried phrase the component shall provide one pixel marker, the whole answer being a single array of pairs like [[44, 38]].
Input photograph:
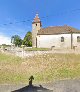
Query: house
[[55, 36]]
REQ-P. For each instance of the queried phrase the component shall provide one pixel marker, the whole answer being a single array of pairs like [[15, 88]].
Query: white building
[[54, 37]]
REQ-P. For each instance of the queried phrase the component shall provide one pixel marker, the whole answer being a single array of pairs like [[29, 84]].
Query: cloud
[[4, 40]]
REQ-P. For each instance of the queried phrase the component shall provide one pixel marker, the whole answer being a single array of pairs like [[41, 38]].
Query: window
[[62, 39], [78, 38], [36, 24]]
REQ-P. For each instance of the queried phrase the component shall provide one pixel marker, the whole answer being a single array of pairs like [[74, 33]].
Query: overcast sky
[[16, 15]]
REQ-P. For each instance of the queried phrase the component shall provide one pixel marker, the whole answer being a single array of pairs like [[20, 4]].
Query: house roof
[[57, 30]]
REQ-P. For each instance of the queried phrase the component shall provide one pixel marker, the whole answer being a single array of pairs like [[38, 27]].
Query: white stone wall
[[47, 41], [75, 43]]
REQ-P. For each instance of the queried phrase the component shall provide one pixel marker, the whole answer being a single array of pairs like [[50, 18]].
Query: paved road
[[59, 86]]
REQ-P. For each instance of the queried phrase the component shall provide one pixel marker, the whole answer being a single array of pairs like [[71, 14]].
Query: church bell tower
[[36, 25]]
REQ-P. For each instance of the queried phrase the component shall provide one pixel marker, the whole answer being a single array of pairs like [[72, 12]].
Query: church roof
[[36, 19], [57, 30]]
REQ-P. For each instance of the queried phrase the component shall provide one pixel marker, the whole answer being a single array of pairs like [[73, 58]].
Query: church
[[57, 37]]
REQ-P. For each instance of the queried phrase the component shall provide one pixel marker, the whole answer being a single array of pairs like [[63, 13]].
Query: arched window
[[62, 39], [36, 24], [78, 38]]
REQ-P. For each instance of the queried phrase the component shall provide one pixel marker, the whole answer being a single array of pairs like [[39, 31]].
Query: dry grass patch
[[44, 68]]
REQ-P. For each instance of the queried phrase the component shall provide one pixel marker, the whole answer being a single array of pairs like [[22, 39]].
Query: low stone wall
[[24, 54]]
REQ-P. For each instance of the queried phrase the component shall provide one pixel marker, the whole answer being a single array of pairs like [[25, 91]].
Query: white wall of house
[[47, 41], [75, 43]]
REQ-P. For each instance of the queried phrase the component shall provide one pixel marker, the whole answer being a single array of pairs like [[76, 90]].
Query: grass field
[[44, 68]]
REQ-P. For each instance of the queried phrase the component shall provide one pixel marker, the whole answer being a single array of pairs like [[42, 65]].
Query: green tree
[[28, 39], [16, 40]]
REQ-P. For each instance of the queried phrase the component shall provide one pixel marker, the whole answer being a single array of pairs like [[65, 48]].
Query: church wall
[[75, 43], [47, 41]]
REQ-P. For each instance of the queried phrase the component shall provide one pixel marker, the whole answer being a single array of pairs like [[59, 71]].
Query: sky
[[16, 16]]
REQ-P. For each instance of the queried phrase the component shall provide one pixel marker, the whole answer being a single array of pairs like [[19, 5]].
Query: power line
[[61, 13], [43, 17], [11, 23]]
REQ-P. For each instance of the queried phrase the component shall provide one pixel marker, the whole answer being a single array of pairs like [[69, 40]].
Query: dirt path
[[59, 86]]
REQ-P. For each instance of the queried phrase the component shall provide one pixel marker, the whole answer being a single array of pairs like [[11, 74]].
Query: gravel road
[[59, 86]]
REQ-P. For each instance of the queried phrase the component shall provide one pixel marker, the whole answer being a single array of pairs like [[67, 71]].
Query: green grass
[[44, 68], [9, 59], [37, 49]]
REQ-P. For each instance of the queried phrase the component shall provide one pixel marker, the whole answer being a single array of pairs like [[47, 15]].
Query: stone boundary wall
[[25, 54]]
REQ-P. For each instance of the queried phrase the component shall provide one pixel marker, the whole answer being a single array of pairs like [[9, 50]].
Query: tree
[[16, 40], [28, 39]]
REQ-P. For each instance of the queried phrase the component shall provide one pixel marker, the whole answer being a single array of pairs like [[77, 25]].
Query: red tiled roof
[[57, 30], [36, 19]]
